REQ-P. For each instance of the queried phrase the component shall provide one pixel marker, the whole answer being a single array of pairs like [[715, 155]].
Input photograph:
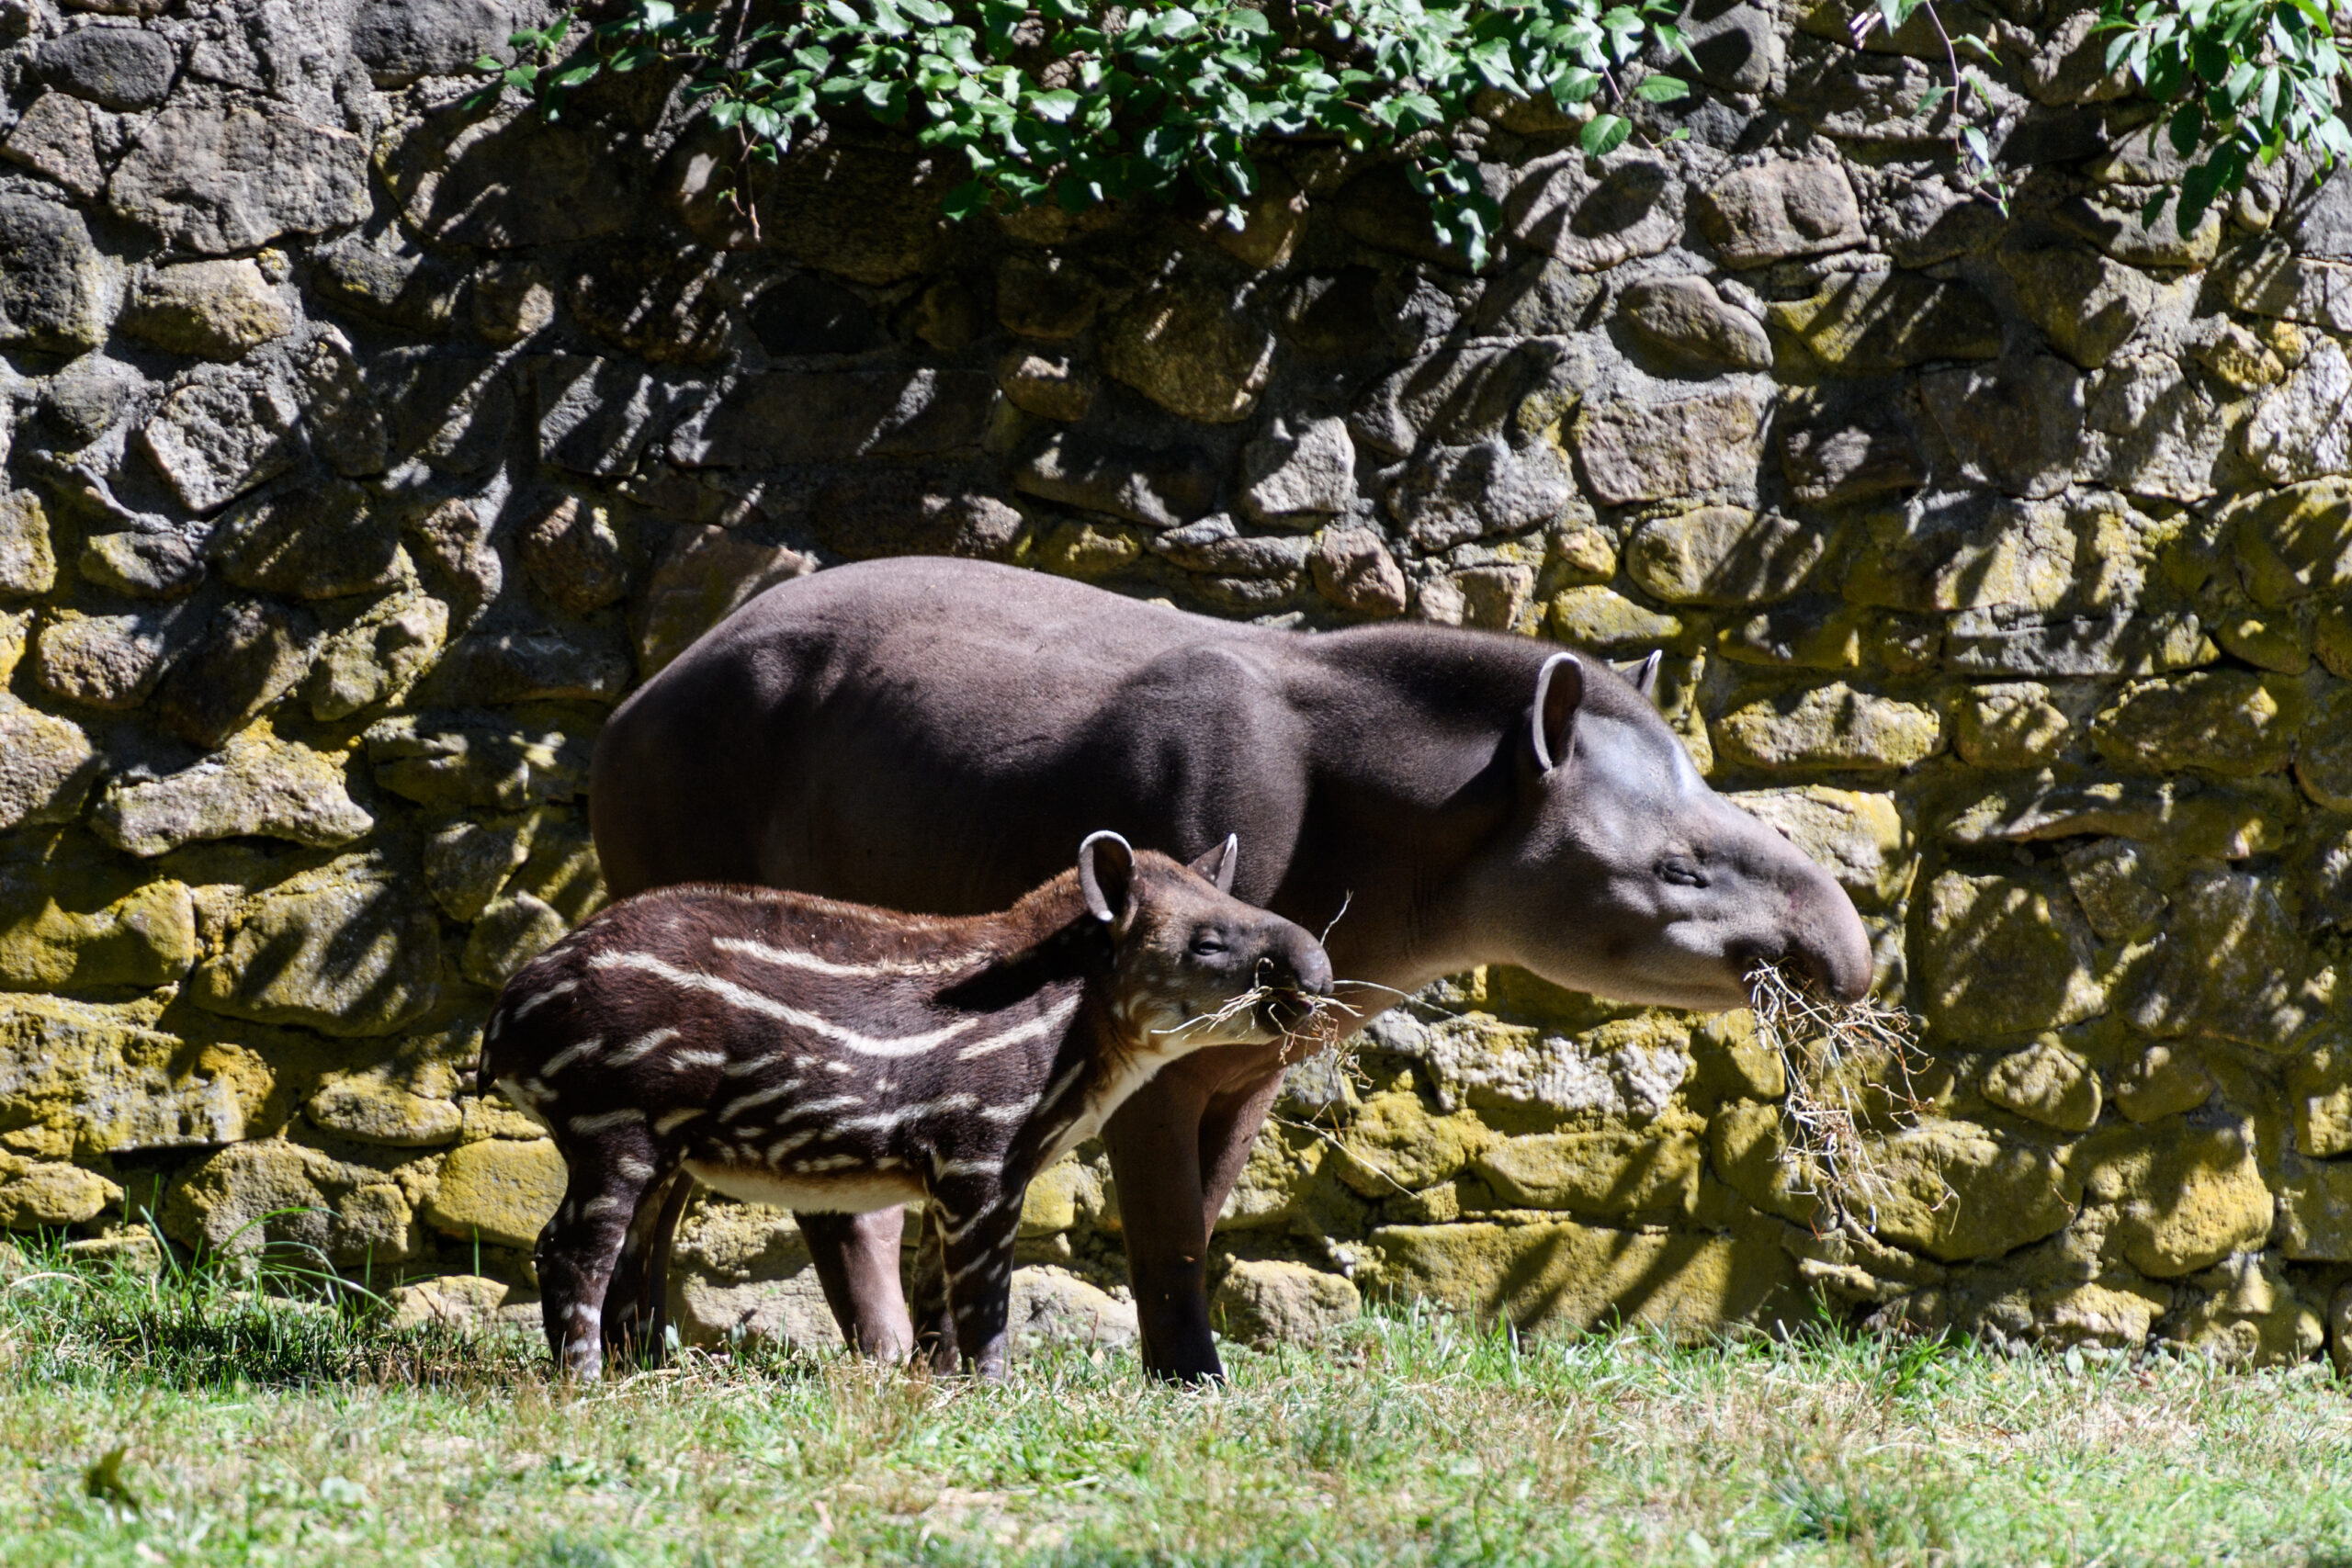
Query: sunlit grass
[[254, 1432]]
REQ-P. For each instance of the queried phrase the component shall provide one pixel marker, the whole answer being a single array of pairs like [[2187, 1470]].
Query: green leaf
[[1604, 133], [1659, 88], [2186, 129]]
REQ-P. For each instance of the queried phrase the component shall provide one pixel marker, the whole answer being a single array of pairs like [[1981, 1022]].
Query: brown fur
[[836, 1058]]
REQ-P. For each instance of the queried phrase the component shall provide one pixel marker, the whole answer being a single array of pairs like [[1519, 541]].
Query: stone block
[[370, 1108], [513, 930], [1607, 622], [2010, 724], [502, 1190], [1650, 1177], [2046, 1083], [1685, 321], [312, 542], [257, 786], [104, 661], [217, 180], [2166, 1080], [1628, 1069], [1780, 211], [46, 765], [2315, 1213], [501, 669], [1353, 569], [880, 511], [2297, 430], [1493, 598], [27, 563], [216, 310], [506, 181], [1455, 397], [45, 1195], [2294, 542], [56, 138], [1271, 1302], [579, 555], [1215, 545], [1696, 446], [2319, 1088], [2185, 1197], [2230, 963], [2017, 426], [2114, 882], [115, 68], [220, 431], [1158, 486], [1450, 495], [66, 924], [704, 575], [401, 40], [379, 656], [1833, 726], [1051, 384], [597, 416], [270, 1193], [54, 292], [1593, 214], [1191, 348], [1297, 479], [2086, 305], [476, 760], [343, 950], [1396, 1146], [467, 1303], [1724, 555], [1873, 323], [1845, 448], [145, 566], [2220, 721], [388, 277], [658, 300], [1566, 1278], [251, 654], [99, 1079], [1857, 837], [2007, 955], [1091, 549], [837, 416], [2249, 1315]]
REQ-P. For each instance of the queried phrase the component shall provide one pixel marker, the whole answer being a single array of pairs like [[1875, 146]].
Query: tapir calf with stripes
[[831, 1057]]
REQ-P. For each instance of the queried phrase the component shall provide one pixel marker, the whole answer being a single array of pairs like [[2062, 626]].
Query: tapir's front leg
[[977, 1226], [856, 1257]]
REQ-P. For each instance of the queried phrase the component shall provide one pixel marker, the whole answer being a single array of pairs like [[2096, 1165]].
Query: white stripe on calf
[[671, 1120], [700, 1059], [1048, 1023], [607, 1121], [631, 1051], [752, 1001], [940, 1107], [792, 958], [828, 1162], [1016, 1112], [955, 1234], [634, 1169], [750, 1065], [783, 1147], [941, 1168], [567, 1055], [522, 1008]]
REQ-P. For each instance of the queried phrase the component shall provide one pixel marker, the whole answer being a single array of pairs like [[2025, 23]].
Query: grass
[[187, 1421]]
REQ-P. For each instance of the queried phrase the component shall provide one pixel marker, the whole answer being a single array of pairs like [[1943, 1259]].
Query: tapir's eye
[[1207, 945], [1680, 872]]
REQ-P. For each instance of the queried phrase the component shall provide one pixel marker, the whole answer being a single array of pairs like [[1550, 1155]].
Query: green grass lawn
[[183, 1422]]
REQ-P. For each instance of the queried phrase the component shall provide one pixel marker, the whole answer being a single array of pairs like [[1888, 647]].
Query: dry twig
[[1835, 1055]]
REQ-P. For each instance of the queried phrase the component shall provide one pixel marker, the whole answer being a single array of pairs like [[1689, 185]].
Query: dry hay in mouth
[[1317, 1031], [1846, 1063]]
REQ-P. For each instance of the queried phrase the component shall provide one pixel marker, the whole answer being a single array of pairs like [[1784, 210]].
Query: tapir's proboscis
[[931, 735]]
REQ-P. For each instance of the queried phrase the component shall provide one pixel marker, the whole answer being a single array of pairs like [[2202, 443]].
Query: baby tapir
[[831, 1057]]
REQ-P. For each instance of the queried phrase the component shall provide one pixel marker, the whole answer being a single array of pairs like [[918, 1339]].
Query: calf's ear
[[1106, 875], [1218, 863], [1559, 690]]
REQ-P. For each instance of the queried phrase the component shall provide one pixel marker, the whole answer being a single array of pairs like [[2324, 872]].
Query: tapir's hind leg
[[636, 1307], [856, 1257], [976, 1227], [934, 1322], [581, 1245]]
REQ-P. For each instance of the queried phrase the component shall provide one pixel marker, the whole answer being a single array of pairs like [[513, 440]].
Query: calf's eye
[[1207, 946]]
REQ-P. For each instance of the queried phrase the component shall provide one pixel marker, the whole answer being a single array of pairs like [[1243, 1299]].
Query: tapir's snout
[[1296, 962], [1825, 938]]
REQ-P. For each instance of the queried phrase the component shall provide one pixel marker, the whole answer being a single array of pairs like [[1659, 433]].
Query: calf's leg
[[636, 1307], [579, 1247], [856, 1257], [977, 1230], [934, 1322]]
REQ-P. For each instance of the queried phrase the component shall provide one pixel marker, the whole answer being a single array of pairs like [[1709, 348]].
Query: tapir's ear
[[1106, 874], [1559, 689], [1218, 863], [1645, 675]]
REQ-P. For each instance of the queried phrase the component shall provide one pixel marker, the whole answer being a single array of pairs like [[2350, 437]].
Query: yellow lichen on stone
[[2046, 1083], [147, 937], [1564, 1276], [1394, 1145], [1608, 622], [2184, 1201], [1829, 726], [1650, 1176], [36, 1194], [502, 1190], [2010, 724]]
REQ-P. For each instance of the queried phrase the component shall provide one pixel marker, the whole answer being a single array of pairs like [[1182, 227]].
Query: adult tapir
[[936, 735]]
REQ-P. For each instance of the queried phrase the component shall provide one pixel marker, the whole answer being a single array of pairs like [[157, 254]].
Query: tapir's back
[[936, 734]]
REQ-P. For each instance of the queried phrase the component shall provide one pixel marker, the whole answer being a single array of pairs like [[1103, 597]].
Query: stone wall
[[361, 451]]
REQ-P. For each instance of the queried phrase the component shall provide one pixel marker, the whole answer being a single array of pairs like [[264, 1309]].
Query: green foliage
[[1077, 102], [2249, 79]]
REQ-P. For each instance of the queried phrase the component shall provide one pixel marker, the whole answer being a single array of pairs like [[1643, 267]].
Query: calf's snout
[[1297, 963]]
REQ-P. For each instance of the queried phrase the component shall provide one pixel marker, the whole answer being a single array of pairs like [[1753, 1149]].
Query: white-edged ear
[[1218, 863], [1645, 675], [1106, 875], [1559, 688]]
